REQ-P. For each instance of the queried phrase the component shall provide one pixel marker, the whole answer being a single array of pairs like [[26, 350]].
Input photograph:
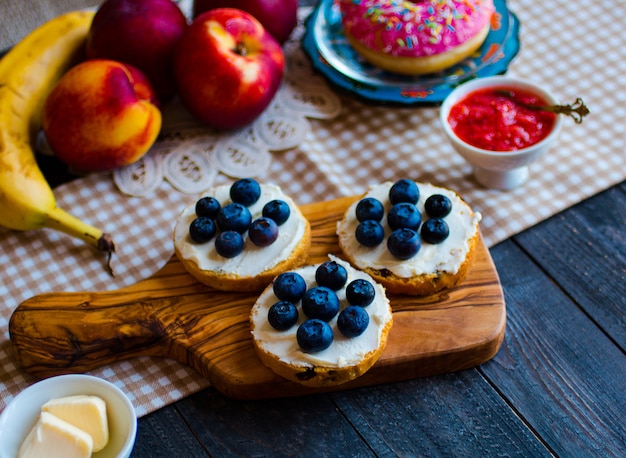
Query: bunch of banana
[[27, 74]]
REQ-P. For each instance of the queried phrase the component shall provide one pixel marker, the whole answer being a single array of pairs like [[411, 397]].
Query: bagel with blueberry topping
[[423, 240], [239, 237], [321, 325]]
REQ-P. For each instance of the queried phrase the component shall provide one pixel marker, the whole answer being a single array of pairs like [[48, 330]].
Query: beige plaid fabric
[[585, 55]]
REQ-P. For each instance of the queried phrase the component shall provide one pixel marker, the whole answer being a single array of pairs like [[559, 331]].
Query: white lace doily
[[190, 156]]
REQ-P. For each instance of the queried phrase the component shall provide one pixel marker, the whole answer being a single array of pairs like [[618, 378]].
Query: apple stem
[[241, 49]]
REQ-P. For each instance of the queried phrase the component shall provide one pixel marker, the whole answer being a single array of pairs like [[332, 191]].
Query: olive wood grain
[[171, 315]]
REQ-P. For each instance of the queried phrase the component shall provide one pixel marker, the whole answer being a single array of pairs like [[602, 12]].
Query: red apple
[[279, 17], [227, 68], [101, 115], [142, 33]]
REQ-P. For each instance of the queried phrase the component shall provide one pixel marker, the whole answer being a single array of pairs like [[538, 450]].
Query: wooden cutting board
[[172, 315]]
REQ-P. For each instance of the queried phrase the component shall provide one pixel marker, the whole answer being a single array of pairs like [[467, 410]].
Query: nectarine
[[101, 115]]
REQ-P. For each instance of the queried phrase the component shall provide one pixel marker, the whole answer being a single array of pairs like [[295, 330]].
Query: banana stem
[[61, 220]]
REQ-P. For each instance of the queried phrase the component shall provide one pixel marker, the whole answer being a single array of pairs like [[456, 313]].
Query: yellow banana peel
[[28, 72]]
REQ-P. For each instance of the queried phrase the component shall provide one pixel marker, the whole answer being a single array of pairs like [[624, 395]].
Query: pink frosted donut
[[415, 38]]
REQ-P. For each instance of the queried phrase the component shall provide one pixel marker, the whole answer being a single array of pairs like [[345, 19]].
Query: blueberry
[[278, 210], [331, 275], [360, 292], [369, 208], [404, 190], [369, 233], [435, 230], [229, 244], [438, 206], [202, 229], [282, 315], [404, 215], [208, 206], [289, 286], [263, 231], [234, 217], [245, 191], [320, 302], [404, 243], [314, 335], [353, 321]]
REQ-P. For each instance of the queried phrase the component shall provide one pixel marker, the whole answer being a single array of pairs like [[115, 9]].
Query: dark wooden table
[[556, 387]]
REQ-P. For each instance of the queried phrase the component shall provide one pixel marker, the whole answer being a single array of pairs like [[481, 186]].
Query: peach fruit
[[101, 115]]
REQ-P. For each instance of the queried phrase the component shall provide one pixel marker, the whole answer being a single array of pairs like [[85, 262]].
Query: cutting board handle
[[72, 331], [167, 315]]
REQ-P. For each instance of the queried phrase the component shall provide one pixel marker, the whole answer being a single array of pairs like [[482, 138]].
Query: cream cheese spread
[[344, 351], [431, 258], [253, 260]]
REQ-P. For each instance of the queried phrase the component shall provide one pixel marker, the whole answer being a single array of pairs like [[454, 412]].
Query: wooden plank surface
[[590, 261], [557, 363], [563, 357], [171, 315]]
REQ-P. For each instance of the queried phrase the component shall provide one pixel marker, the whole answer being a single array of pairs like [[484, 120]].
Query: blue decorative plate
[[332, 55]]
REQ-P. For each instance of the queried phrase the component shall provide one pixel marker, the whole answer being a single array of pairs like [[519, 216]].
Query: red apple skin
[[279, 17], [142, 33], [216, 83], [101, 115]]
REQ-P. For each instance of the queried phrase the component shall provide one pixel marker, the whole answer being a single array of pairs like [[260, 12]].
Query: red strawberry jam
[[495, 119]]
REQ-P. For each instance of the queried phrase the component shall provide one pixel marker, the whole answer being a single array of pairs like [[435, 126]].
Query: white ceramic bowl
[[22, 413], [497, 169]]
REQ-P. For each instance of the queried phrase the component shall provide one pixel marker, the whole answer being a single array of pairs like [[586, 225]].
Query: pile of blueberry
[[233, 220], [320, 304], [404, 220]]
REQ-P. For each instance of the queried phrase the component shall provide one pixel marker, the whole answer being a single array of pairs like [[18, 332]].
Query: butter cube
[[52, 437], [85, 412]]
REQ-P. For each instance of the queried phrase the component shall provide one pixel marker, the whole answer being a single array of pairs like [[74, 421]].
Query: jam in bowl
[[489, 123]]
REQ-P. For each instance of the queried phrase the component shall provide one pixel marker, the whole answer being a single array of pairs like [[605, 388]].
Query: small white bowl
[[19, 417], [503, 170]]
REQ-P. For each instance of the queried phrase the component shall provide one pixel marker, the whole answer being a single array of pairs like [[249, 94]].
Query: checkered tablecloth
[[575, 48]]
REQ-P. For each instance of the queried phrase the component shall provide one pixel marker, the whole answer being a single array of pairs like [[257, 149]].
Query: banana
[[27, 74]]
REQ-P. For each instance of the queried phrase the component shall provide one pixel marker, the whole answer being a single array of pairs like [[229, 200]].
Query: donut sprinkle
[[414, 29]]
